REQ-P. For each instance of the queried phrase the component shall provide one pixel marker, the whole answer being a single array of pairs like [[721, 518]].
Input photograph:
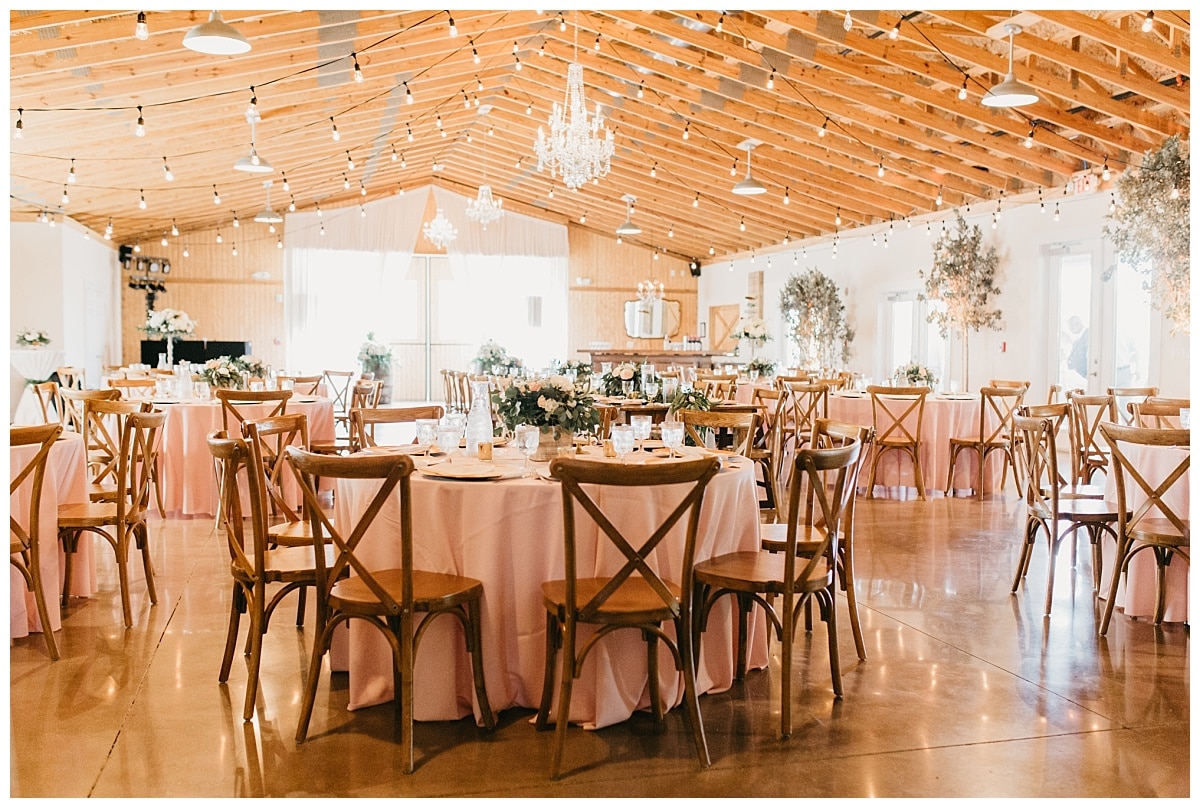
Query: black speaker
[[694, 266], [124, 253]]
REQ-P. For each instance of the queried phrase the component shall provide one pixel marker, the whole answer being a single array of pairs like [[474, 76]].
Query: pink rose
[[626, 374]]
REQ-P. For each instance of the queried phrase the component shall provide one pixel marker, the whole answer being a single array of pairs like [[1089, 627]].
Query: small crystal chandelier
[[484, 208], [577, 148], [650, 291], [439, 231]]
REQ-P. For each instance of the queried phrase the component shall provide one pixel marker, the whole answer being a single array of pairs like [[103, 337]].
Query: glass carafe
[[479, 419]]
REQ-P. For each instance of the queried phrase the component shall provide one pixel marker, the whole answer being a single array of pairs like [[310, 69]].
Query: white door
[[910, 337]]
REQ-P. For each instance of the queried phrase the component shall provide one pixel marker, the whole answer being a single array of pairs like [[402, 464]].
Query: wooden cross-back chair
[[24, 524], [121, 521], [1122, 397], [898, 416], [1154, 523], [636, 596], [763, 577], [740, 424], [1046, 511], [1158, 413], [72, 400], [1009, 383], [765, 449], [133, 388], [255, 564], [70, 377], [365, 393], [1058, 415], [832, 382], [103, 426], [1090, 454], [364, 420], [338, 385], [239, 406], [803, 404], [388, 599], [303, 385], [49, 399], [997, 405]]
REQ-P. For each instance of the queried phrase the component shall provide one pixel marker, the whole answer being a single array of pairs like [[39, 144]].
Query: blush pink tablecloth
[[1136, 593], [65, 483], [188, 482], [508, 534]]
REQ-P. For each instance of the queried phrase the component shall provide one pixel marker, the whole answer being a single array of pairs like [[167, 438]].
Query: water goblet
[[447, 439], [670, 386], [641, 429], [672, 435], [627, 387], [651, 390], [753, 374], [622, 440], [426, 434], [527, 442], [202, 391]]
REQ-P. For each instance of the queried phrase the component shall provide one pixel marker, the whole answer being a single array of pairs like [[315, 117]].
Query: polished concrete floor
[[967, 692]]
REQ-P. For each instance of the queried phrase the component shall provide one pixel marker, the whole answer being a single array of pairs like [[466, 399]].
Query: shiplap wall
[[215, 288]]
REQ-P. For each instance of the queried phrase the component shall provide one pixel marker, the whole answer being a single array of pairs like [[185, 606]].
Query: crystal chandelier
[[650, 291], [577, 148], [439, 231], [484, 208]]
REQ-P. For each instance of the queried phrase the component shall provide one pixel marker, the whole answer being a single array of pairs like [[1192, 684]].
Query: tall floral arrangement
[[32, 338], [1151, 227], [375, 357], [494, 360], [613, 382], [168, 324], [816, 319], [222, 372], [963, 280], [251, 364], [555, 402]]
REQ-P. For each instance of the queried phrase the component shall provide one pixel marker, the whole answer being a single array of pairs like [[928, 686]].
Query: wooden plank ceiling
[[830, 105]]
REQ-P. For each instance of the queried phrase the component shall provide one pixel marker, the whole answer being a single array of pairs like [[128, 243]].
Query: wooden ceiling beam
[[1133, 42]]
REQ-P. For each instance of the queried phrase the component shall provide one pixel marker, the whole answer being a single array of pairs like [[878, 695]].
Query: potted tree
[[963, 280], [1151, 227], [816, 319]]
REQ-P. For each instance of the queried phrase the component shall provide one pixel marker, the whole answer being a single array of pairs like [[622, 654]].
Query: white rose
[[547, 404]]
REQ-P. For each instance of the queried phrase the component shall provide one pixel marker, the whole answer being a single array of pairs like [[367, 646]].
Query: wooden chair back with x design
[[70, 378], [239, 406], [997, 406], [363, 422], [765, 449], [696, 424], [254, 564], [338, 385], [1058, 415], [388, 599], [1158, 413], [73, 400], [1122, 397], [133, 388], [1089, 453], [827, 434], [364, 393], [49, 400], [303, 385], [761, 577], [125, 515], [718, 389], [103, 426], [1010, 383], [1048, 512], [636, 596], [804, 403], [898, 416], [1153, 524], [24, 533]]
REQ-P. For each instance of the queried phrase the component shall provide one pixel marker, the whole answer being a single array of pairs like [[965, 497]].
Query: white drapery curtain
[[509, 282]]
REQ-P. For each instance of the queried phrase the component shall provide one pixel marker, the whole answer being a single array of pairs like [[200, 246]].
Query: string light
[[439, 121], [334, 134], [1112, 203], [696, 201], [474, 53], [174, 229], [362, 211], [895, 32], [408, 95], [517, 59], [66, 200], [137, 247], [879, 172], [742, 224], [167, 171], [654, 170], [771, 80], [362, 189], [712, 250], [529, 108], [358, 76], [108, 229], [938, 201], [286, 186], [596, 47], [475, 100], [583, 217], [478, 84], [837, 219], [319, 211], [322, 230], [733, 168], [19, 129], [562, 23], [1029, 139], [542, 48], [1041, 202], [141, 30], [787, 199], [292, 205], [236, 222], [410, 135], [1148, 23], [641, 89], [235, 249], [164, 240], [1106, 175], [219, 239], [142, 199], [787, 237], [995, 221], [721, 22], [962, 91], [279, 242], [71, 172], [186, 252], [824, 127], [345, 182], [349, 161], [140, 129], [453, 27], [686, 127], [1056, 211]]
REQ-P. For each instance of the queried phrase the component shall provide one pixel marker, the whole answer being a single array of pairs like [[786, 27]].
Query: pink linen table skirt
[[509, 535], [1136, 593], [65, 483]]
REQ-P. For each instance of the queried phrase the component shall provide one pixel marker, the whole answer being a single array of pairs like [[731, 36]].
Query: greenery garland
[[1151, 227], [816, 319]]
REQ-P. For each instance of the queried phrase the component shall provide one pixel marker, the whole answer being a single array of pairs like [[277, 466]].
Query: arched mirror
[[652, 319]]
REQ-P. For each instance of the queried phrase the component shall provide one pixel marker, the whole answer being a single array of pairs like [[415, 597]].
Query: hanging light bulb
[[219, 239], [895, 32], [995, 221], [529, 108], [286, 186], [358, 76], [186, 252], [362, 189], [962, 91], [1106, 175], [345, 182], [362, 211], [142, 199], [164, 240], [1029, 139], [686, 127], [474, 53], [771, 80], [66, 200], [721, 22], [349, 161], [108, 229], [517, 60], [235, 249], [787, 199], [641, 89], [403, 162], [292, 205], [562, 23], [654, 170], [167, 171], [879, 172], [137, 247], [19, 128], [596, 47], [140, 129], [696, 201], [837, 219], [334, 133], [174, 229], [478, 84], [824, 127], [142, 31], [410, 135], [656, 253], [583, 217], [279, 242], [712, 250], [938, 200], [320, 213], [236, 222], [453, 27], [408, 94], [733, 168], [928, 229], [1056, 211], [322, 230], [742, 224], [1148, 23], [542, 48], [71, 172], [439, 121], [475, 100], [874, 242], [787, 237], [670, 231]]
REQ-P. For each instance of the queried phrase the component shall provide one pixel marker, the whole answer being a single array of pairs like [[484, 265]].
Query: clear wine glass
[[641, 429], [651, 390], [672, 435], [426, 434], [622, 440], [447, 439], [527, 442], [670, 386]]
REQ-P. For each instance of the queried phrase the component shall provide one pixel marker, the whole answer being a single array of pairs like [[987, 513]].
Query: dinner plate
[[304, 399], [467, 469], [957, 396], [850, 394]]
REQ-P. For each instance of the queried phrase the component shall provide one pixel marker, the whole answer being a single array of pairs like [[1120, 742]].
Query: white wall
[[868, 273], [68, 286]]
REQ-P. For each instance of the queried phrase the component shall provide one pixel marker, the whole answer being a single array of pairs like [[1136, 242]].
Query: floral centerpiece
[[375, 357], [760, 366], [575, 370], [169, 325], [32, 338], [560, 406], [915, 373], [223, 372], [752, 329], [493, 360], [613, 382], [690, 400], [252, 365]]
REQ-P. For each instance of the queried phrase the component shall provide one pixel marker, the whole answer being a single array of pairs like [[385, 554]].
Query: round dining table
[[508, 534], [65, 483]]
